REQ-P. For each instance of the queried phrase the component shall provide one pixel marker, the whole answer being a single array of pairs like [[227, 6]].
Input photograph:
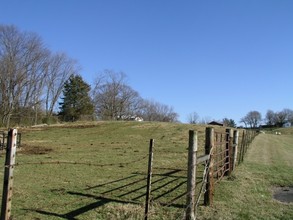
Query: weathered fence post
[[229, 143], [191, 175], [240, 160], [209, 144], [246, 140], [235, 147], [149, 179], [8, 174]]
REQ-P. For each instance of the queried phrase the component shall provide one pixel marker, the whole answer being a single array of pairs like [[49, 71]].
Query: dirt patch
[[284, 194], [34, 150]]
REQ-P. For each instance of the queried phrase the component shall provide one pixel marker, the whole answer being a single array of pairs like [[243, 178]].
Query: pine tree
[[76, 99]]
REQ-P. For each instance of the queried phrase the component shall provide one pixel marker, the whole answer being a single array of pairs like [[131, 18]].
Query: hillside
[[98, 171], [88, 170]]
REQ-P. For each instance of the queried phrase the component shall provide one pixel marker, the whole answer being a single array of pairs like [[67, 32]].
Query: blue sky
[[219, 58]]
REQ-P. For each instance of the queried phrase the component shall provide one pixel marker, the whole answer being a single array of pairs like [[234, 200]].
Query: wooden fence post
[[149, 179], [191, 175], [240, 149], [229, 141], [209, 144], [247, 135], [235, 147], [8, 174]]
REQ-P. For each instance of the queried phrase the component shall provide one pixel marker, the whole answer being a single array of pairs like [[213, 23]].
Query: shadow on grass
[[73, 214], [128, 190]]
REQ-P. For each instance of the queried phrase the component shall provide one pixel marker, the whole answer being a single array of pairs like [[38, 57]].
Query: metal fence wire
[[4, 138]]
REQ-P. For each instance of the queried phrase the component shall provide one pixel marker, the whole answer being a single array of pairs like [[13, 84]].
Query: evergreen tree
[[229, 123], [76, 99]]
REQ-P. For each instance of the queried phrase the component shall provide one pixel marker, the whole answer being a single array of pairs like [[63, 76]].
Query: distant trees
[[155, 111], [280, 118], [272, 119], [193, 118], [252, 119], [31, 77], [22, 62], [229, 123], [115, 100], [76, 99]]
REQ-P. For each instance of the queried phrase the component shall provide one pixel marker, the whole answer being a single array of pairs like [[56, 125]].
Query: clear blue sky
[[217, 58]]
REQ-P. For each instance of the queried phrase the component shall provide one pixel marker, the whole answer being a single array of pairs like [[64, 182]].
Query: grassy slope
[[249, 194], [55, 191], [65, 191]]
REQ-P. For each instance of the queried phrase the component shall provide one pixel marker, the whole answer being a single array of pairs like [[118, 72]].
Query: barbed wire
[[59, 162]]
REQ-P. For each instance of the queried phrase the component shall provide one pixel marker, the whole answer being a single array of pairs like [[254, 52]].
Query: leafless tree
[[270, 118], [155, 111], [205, 120], [21, 57], [289, 113], [113, 98], [29, 75], [279, 118], [282, 117], [193, 118], [252, 119], [58, 69]]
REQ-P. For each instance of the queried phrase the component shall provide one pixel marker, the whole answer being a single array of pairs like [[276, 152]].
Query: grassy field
[[113, 186], [248, 193], [102, 169]]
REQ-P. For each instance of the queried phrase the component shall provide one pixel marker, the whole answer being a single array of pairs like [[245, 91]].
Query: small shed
[[216, 123]]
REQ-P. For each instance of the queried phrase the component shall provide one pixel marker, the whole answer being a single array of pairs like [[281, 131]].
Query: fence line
[[222, 154]]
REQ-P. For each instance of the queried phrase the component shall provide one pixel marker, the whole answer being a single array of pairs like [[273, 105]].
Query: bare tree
[[270, 118], [193, 118], [289, 115], [252, 119], [28, 75], [282, 117], [205, 120], [58, 69], [113, 98], [279, 118], [22, 56], [155, 111]]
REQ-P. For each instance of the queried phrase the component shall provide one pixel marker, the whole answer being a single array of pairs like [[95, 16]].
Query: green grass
[[117, 190], [248, 195], [88, 191]]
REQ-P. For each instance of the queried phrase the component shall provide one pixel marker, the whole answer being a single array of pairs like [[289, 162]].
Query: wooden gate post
[[235, 147], [209, 144], [191, 175], [243, 144], [149, 179], [8, 174], [228, 161]]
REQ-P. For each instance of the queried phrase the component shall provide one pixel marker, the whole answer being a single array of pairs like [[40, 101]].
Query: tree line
[[194, 118], [33, 79], [253, 119], [110, 99]]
